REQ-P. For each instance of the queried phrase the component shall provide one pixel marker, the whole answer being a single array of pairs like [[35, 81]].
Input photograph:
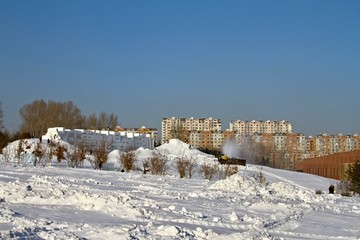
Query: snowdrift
[[65, 203]]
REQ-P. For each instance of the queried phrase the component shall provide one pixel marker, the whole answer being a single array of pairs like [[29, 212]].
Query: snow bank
[[65, 203]]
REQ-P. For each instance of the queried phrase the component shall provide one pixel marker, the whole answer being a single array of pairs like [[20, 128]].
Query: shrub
[[39, 153], [181, 165], [230, 170], [260, 176], [158, 164], [128, 160], [318, 191], [344, 188], [60, 152], [75, 157], [100, 157], [209, 171], [185, 167], [227, 171]]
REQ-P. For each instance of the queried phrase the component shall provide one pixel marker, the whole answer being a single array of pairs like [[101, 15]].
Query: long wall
[[122, 141], [331, 166]]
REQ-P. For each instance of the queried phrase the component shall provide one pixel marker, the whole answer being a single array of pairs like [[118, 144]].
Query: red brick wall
[[328, 166]]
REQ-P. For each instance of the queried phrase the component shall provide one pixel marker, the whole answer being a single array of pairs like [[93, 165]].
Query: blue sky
[[146, 60]]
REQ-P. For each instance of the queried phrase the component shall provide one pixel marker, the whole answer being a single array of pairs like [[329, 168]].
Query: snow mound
[[289, 191], [176, 149], [241, 183]]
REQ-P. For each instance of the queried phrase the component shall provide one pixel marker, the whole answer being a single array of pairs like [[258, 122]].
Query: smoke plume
[[231, 149]]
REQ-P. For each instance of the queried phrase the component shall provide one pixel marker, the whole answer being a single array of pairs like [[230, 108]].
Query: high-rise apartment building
[[274, 139], [324, 144], [174, 127], [260, 127]]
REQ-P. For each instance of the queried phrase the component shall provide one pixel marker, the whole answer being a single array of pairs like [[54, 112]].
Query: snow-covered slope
[[66, 203]]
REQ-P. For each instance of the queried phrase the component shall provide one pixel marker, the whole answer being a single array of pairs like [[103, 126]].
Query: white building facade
[[259, 127], [122, 141]]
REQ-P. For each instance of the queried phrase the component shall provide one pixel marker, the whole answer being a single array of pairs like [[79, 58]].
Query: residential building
[[143, 130], [121, 140], [182, 127], [255, 126]]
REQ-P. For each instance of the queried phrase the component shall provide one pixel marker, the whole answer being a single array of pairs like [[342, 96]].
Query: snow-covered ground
[[58, 202]]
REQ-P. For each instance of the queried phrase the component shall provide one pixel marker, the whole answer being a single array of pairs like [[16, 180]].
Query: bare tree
[[4, 139], [91, 121], [38, 116], [102, 121], [112, 121], [33, 118], [70, 116]]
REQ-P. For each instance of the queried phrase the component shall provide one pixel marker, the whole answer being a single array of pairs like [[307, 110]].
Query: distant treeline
[[39, 115]]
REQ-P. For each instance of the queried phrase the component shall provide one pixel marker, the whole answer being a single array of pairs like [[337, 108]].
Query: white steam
[[231, 149]]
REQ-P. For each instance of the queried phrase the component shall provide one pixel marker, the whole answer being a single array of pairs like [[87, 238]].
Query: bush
[[185, 167], [318, 191], [39, 153], [182, 165], [60, 152], [344, 188], [128, 160], [76, 157], [101, 155], [158, 164], [227, 171], [260, 176], [209, 171]]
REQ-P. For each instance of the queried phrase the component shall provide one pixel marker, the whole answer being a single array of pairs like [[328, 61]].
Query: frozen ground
[[64, 203]]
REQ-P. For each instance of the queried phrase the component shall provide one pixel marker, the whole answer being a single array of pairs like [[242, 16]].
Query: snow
[[58, 202]]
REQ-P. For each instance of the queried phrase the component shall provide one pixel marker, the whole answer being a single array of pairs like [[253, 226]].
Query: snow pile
[[288, 191], [176, 149], [241, 183]]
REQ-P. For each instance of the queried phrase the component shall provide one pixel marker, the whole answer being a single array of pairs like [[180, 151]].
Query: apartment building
[[324, 144], [142, 130], [122, 141], [181, 127], [283, 148], [255, 126]]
